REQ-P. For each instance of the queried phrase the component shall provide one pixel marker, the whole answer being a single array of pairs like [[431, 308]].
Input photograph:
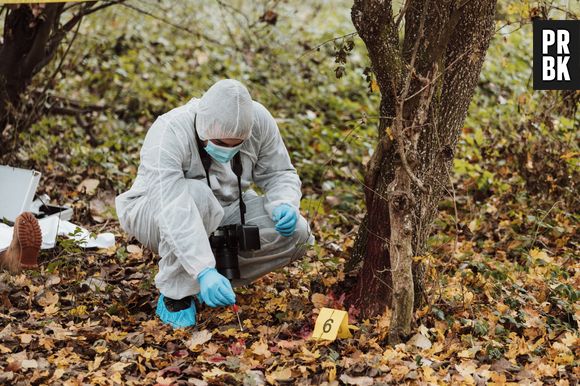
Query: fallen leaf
[[254, 377], [51, 309], [359, 381], [52, 280], [279, 375], [117, 367], [95, 283], [29, 364], [290, 344], [542, 255], [197, 382], [570, 339], [420, 341], [135, 252], [198, 338], [89, 186], [49, 298], [13, 366], [319, 300], [261, 348], [308, 356], [25, 338], [213, 373]]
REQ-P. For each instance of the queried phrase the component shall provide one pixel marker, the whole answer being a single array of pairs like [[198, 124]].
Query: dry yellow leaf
[[570, 339], [282, 375], [51, 309], [308, 356], [538, 254], [117, 367], [319, 300], [115, 337], [428, 374], [79, 311], [570, 154], [399, 372], [375, 86], [198, 338], [468, 297], [89, 186], [135, 251], [261, 348], [213, 373], [25, 338], [48, 299], [96, 363]]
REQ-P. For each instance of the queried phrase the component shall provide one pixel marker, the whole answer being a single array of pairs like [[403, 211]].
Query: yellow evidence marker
[[331, 324]]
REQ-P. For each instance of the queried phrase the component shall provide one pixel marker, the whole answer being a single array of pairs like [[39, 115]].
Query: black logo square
[[556, 55]]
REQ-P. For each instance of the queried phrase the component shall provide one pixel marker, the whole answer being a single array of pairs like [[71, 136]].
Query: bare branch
[[439, 74], [326, 42], [235, 10], [37, 51], [40, 101], [176, 26], [87, 9], [402, 13]]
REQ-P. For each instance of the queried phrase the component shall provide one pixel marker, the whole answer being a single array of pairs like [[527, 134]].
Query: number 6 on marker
[[331, 324], [327, 325]]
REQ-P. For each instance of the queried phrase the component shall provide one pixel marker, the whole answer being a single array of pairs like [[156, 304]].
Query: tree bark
[[25, 47], [32, 35], [426, 82]]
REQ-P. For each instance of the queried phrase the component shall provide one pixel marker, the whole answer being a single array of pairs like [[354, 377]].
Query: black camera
[[227, 241]]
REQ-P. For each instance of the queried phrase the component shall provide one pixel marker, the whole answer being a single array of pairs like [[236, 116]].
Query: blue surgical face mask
[[221, 153]]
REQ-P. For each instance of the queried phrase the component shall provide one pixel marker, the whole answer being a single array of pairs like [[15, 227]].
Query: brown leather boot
[[25, 247]]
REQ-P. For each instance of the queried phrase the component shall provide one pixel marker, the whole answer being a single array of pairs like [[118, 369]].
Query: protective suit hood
[[225, 111]]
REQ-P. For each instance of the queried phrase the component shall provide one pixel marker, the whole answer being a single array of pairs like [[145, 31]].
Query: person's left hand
[[285, 216]]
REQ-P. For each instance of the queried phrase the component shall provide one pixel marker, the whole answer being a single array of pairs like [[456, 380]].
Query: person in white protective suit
[[174, 205]]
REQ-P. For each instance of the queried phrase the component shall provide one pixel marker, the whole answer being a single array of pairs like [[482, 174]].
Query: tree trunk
[[23, 53], [426, 82], [32, 35]]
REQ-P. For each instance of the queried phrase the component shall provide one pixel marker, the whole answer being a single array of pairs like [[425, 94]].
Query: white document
[[51, 227]]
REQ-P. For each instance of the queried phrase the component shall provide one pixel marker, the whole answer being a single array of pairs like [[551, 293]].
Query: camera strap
[[236, 168]]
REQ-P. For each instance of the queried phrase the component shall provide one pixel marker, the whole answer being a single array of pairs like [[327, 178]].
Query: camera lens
[[225, 249]]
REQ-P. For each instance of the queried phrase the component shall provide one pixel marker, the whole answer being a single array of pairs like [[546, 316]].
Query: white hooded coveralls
[[171, 209]]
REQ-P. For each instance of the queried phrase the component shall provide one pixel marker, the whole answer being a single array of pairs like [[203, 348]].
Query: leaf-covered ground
[[501, 303]]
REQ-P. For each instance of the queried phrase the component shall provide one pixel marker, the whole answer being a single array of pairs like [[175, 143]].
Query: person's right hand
[[215, 289]]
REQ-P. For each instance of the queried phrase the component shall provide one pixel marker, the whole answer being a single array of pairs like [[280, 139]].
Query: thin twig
[[87, 10], [47, 84], [402, 13], [542, 220], [456, 213], [326, 42], [228, 29], [439, 74], [176, 26]]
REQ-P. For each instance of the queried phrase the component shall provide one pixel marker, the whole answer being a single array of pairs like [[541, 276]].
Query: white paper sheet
[[51, 227]]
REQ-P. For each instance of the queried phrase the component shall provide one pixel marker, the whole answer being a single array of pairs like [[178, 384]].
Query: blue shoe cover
[[179, 319]]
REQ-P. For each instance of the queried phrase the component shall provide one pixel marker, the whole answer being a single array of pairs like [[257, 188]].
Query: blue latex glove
[[215, 289], [285, 216]]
